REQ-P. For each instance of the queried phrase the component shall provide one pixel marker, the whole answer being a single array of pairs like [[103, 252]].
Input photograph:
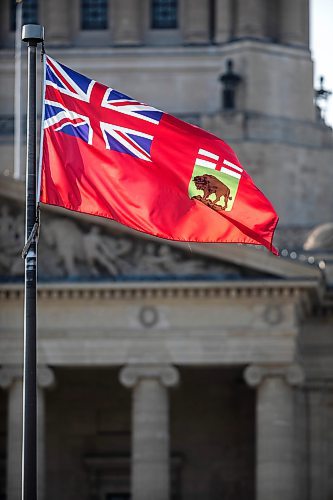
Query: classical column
[[11, 378], [275, 461], [223, 21], [195, 21], [150, 429], [127, 22], [250, 20], [45, 380]]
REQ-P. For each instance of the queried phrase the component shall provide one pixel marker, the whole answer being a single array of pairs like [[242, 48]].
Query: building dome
[[320, 238]]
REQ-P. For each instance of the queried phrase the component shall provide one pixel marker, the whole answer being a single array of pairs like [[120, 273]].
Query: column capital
[[45, 377], [9, 373], [167, 375], [255, 374]]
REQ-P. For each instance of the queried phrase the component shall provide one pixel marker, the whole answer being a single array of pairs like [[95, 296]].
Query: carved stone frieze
[[11, 241], [69, 249]]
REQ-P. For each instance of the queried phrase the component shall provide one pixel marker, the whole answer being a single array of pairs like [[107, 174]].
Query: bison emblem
[[209, 184]]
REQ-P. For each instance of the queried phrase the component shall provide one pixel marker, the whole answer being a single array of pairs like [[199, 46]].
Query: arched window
[[29, 13], [164, 14], [94, 14]]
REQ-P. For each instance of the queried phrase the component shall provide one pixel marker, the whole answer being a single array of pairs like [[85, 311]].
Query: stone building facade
[[171, 370]]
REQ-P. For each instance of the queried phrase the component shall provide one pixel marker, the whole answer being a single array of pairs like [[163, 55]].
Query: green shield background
[[228, 180]]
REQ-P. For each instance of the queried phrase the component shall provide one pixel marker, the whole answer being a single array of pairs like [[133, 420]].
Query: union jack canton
[[96, 114]]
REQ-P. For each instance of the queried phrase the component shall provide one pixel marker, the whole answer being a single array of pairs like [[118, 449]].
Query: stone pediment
[[81, 247]]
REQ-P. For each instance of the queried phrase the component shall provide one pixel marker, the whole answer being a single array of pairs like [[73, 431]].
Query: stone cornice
[[297, 290], [212, 53]]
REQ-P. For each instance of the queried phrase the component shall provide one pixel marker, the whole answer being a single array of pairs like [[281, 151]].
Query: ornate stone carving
[[64, 241], [71, 249], [273, 314], [167, 374], [148, 316], [11, 241], [293, 374]]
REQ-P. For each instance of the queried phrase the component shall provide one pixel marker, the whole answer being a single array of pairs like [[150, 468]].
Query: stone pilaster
[[45, 380], [250, 20], [294, 22], [275, 461], [58, 19], [223, 21], [150, 429], [127, 22], [195, 21], [11, 378]]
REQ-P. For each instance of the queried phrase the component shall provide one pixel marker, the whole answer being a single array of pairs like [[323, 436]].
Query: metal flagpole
[[32, 34], [18, 88]]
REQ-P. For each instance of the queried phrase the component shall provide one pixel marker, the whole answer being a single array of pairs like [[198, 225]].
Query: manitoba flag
[[107, 154]]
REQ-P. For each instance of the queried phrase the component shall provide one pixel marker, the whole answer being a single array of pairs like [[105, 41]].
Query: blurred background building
[[172, 370]]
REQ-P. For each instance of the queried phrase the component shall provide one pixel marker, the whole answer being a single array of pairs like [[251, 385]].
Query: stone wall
[[3, 444]]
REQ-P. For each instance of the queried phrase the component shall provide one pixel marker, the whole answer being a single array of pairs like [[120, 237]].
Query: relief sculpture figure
[[11, 242], [65, 237]]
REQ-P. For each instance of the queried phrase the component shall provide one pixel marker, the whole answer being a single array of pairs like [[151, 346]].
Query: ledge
[[160, 290]]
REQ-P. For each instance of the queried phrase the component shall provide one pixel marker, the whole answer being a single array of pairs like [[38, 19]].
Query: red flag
[[105, 154]]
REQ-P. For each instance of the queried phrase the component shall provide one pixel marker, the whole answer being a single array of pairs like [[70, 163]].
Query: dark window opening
[[29, 13], [94, 14], [164, 14], [229, 81], [117, 496]]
